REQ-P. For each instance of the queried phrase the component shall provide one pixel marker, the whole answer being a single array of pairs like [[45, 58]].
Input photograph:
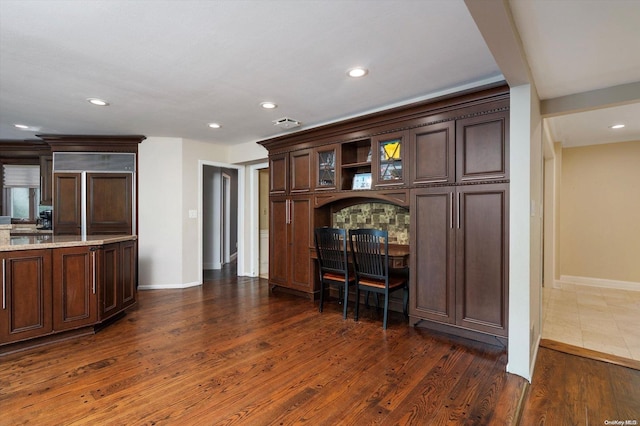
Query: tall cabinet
[[447, 160], [459, 228], [290, 222]]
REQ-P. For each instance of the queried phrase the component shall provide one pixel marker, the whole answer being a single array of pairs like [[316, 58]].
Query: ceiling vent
[[286, 123]]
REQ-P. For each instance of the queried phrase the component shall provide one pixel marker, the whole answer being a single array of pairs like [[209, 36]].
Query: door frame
[[241, 209]]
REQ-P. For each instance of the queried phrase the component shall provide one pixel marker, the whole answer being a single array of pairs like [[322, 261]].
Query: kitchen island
[[57, 286]]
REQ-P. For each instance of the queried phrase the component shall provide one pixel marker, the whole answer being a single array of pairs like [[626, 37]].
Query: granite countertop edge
[[47, 241]]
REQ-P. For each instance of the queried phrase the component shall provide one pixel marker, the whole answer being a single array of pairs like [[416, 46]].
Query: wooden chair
[[331, 249], [370, 252]]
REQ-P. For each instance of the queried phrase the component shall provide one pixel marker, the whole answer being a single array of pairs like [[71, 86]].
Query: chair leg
[[405, 304], [355, 317], [321, 294], [386, 309], [346, 300]]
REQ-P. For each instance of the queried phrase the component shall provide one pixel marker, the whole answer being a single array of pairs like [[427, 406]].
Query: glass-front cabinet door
[[327, 162], [389, 151]]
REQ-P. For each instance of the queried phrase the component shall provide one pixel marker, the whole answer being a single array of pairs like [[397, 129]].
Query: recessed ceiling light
[[21, 126], [214, 125], [268, 105], [617, 126], [98, 102], [357, 72]]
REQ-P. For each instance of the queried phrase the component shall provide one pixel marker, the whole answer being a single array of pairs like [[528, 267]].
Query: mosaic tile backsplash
[[393, 219]]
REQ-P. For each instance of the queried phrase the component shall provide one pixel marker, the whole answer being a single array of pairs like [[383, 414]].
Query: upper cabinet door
[[388, 152], [482, 147], [67, 215], [433, 158], [327, 167], [300, 163], [278, 173], [46, 180], [109, 203]]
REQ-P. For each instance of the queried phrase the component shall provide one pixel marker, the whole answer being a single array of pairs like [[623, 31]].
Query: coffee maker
[[45, 219]]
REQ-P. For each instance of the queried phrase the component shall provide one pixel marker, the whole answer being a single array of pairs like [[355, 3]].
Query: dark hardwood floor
[[229, 352]]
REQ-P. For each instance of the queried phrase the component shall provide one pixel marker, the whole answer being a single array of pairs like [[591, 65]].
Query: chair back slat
[[331, 249], [370, 251]]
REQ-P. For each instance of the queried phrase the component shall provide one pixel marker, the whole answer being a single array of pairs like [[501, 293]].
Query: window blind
[[21, 176]]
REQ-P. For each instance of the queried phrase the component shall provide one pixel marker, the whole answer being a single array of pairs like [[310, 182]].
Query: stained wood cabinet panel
[[75, 299], [26, 295], [482, 147], [129, 272], [278, 173], [459, 271], [46, 180], [117, 271], [433, 159], [67, 214], [109, 203], [290, 243], [482, 258], [300, 170], [432, 268]]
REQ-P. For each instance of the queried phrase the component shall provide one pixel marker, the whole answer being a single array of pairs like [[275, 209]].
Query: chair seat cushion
[[394, 282], [336, 277]]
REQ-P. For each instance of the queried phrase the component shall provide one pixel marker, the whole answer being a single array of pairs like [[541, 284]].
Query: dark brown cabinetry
[[109, 203], [433, 159], [118, 276], [327, 172], [26, 295], [387, 155], [290, 243], [67, 217], [46, 292], [448, 160], [482, 151], [290, 172], [75, 285], [46, 180], [459, 261]]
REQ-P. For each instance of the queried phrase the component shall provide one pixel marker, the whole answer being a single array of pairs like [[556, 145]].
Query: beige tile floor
[[601, 319]]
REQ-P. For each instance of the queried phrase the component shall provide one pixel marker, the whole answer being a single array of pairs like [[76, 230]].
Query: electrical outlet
[[193, 214]]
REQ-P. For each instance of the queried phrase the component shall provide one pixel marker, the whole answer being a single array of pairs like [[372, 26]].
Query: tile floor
[[601, 319]]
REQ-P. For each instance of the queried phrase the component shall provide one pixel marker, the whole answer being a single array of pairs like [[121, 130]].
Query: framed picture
[[362, 181]]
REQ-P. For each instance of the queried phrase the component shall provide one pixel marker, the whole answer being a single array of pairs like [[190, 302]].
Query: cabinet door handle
[[451, 209], [4, 286], [458, 220], [93, 254], [288, 215]]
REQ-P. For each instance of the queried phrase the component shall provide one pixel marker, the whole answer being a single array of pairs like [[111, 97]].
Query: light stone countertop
[[45, 241]]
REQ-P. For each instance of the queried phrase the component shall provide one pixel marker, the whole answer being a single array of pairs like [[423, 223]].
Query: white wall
[[519, 232], [160, 212]]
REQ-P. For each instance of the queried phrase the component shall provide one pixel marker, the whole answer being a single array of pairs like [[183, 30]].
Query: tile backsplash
[[389, 217]]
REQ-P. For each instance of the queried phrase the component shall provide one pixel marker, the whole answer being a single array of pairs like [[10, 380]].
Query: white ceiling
[[169, 67]]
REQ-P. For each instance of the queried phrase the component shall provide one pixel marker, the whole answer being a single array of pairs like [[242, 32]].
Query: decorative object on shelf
[[361, 181], [390, 160], [327, 168], [369, 156]]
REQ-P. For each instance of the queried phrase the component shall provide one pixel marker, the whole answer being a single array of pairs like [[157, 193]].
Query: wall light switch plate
[[193, 214]]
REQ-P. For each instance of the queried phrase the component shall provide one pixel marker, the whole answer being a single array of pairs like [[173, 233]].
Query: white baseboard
[[596, 282], [168, 286]]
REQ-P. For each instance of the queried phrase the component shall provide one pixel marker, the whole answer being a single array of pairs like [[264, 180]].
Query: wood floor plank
[[230, 352]]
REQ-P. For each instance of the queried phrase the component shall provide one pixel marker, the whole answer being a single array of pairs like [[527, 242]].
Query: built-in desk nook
[[439, 169]]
